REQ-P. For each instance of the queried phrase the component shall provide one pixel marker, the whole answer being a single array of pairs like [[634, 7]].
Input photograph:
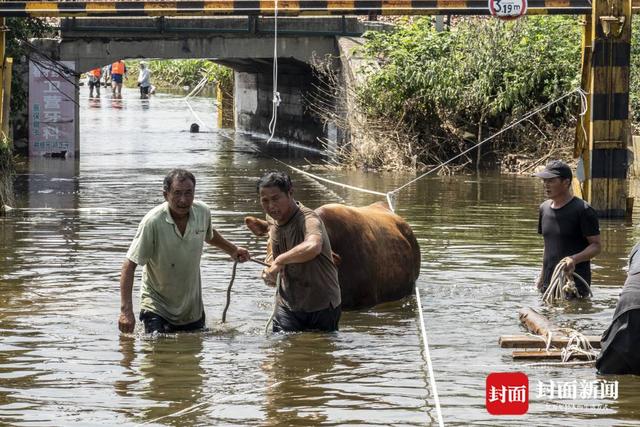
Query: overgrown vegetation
[[634, 81], [20, 30], [442, 92], [179, 73], [6, 173]]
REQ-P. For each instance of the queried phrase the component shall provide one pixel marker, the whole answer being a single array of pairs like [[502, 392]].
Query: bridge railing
[[284, 7]]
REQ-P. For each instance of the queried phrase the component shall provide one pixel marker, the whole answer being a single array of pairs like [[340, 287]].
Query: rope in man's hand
[[233, 277], [562, 284]]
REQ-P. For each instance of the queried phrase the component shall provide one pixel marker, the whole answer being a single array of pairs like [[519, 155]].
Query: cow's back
[[380, 256]]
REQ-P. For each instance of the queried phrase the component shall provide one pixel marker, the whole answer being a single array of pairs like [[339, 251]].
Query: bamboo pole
[[526, 341], [544, 354]]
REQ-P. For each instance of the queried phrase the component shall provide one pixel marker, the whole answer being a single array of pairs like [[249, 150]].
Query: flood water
[[63, 361]]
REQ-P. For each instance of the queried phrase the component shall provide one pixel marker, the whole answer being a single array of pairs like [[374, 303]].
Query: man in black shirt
[[569, 227]]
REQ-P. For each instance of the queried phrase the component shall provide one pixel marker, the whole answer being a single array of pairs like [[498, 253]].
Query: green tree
[[455, 87]]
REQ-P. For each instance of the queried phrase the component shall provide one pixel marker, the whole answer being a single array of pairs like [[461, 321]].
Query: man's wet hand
[[241, 255], [570, 265], [271, 273], [126, 322]]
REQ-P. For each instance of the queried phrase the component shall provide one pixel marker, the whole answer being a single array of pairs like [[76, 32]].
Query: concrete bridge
[[245, 44]]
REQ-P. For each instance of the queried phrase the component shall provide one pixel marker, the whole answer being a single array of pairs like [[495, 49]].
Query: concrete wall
[[254, 107]]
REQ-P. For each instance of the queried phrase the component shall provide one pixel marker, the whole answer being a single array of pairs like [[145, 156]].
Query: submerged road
[[63, 362]]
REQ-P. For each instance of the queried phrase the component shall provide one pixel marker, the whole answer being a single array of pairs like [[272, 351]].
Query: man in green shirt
[[169, 244], [309, 294]]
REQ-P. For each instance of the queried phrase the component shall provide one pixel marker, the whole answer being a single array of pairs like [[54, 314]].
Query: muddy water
[[63, 362]]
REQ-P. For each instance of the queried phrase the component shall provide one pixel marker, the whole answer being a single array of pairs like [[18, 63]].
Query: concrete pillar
[[225, 107], [253, 95]]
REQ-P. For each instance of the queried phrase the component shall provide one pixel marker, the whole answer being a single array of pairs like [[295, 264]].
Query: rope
[[226, 306], [579, 91], [578, 344], [193, 93], [233, 277], [275, 304], [391, 196], [428, 359], [562, 285], [276, 95]]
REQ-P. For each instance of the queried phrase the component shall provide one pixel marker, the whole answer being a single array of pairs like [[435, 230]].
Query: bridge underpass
[[602, 139], [244, 44]]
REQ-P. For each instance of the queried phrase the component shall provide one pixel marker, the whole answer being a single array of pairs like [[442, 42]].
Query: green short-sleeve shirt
[[171, 285]]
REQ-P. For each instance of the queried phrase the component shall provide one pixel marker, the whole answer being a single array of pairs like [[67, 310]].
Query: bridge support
[[224, 102], [253, 93], [603, 137]]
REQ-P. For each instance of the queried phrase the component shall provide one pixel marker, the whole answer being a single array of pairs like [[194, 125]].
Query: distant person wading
[[144, 80]]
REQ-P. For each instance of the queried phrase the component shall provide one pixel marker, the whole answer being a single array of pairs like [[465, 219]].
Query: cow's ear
[[336, 258], [257, 226]]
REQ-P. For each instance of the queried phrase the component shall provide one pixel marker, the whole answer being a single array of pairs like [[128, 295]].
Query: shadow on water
[[165, 371]]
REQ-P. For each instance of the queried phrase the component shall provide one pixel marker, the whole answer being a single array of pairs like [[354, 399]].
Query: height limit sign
[[508, 9]]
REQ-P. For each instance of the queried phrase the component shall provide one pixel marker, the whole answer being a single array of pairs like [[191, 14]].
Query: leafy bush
[[455, 87], [184, 72], [20, 29]]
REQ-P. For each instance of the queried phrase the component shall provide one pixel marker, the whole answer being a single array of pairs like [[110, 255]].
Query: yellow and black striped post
[[609, 129]]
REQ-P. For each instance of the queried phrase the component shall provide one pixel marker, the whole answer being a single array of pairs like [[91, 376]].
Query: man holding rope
[[308, 296], [169, 244], [570, 229]]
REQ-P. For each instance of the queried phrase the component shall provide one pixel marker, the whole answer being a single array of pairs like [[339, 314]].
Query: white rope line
[[391, 195], [319, 178], [584, 104], [432, 379], [578, 344], [276, 95], [562, 285], [503, 130], [193, 93]]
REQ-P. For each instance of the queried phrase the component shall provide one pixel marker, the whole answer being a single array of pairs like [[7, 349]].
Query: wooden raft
[[539, 325]]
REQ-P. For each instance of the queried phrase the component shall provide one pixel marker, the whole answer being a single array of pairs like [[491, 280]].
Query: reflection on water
[[62, 361]]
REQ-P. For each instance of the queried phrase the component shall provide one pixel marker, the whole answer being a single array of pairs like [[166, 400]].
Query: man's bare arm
[[127, 320]]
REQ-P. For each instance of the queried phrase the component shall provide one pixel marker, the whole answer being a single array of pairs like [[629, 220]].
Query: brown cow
[[378, 256]]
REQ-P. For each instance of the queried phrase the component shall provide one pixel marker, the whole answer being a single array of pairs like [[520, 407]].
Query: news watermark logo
[[507, 393]]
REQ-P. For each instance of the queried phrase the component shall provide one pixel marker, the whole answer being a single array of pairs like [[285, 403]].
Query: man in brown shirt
[[309, 294]]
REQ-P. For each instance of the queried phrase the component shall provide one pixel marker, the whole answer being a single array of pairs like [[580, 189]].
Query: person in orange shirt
[[118, 70], [94, 81]]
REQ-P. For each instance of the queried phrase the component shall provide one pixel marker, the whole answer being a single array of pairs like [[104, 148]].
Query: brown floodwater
[[63, 361]]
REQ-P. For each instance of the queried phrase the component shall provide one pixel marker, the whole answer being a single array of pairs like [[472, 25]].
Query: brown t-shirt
[[312, 285]]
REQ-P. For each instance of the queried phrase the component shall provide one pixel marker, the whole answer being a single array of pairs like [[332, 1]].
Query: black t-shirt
[[565, 232]]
